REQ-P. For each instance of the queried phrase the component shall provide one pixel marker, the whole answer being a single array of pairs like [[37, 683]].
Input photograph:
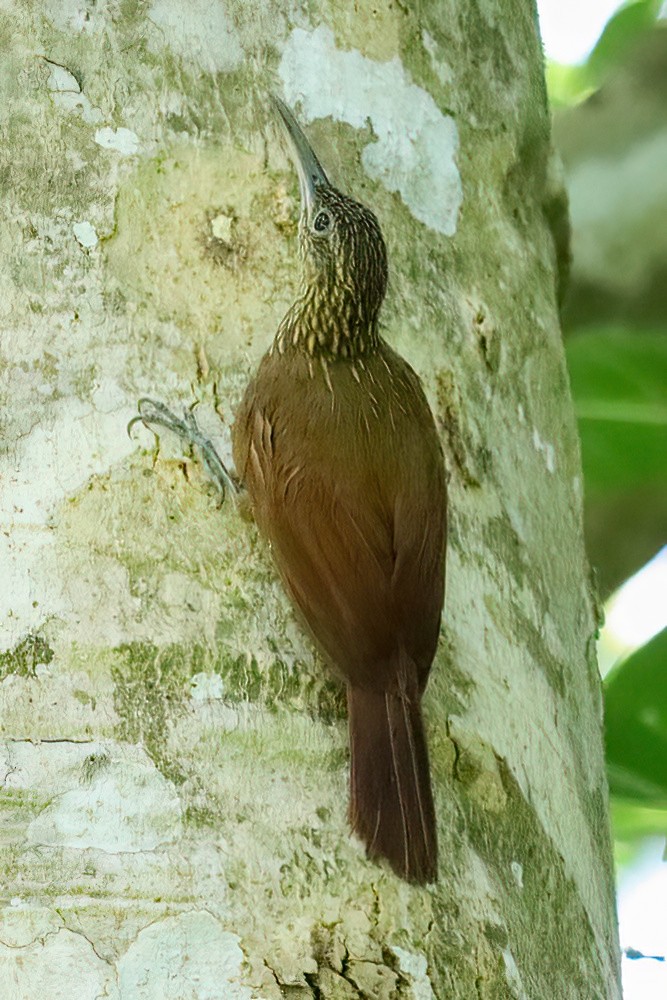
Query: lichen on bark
[[148, 248]]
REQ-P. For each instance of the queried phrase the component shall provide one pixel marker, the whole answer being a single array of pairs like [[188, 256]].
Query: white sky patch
[[415, 144], [643, 924], [570, 28], [199, 31], [635, 612]]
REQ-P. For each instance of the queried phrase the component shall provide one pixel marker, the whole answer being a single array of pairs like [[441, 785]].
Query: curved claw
[[153, 412], [131, 423], [161, 415]]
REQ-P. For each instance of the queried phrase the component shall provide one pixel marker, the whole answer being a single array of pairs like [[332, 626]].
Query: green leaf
[[632, 821], [632, 825], [569, 85], [618, 382], [620, 33], [636, 724]]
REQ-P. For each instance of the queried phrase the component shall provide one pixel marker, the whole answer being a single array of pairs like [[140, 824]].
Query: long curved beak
[[309, 168]]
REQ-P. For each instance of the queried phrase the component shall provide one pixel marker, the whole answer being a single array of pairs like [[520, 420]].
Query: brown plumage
[[337, 447]]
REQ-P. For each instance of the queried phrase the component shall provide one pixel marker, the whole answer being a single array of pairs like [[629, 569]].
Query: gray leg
[[152, 412]]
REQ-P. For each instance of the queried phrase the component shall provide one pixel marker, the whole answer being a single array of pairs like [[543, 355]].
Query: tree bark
[[175, 756]]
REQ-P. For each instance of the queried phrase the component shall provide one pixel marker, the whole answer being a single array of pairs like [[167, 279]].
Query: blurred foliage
[[636, 724], [610, 118], [633, 825], [618, 379], [614, 149], [636, 743], [569, 85]]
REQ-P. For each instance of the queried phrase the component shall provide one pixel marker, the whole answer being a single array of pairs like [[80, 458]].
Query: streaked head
[[341, 241]]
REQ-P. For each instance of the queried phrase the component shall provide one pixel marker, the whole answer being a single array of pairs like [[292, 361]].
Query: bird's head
[[344, 253]]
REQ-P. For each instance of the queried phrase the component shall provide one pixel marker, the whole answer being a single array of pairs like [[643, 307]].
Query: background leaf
[[636, 724], [571, 84], [619, 380]]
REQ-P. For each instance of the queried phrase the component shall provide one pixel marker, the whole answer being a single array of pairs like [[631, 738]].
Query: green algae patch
[[18, 806], [150, 689], [152, 686], [280, 684], [24, 658]]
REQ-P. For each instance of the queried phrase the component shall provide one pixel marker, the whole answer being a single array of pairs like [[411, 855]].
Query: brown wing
[[353, 506]]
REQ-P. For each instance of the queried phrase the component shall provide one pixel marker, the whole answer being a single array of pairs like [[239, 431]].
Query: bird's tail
[[391, 802]]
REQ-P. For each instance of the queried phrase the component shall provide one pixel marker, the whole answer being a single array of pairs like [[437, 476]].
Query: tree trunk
[[175, 756]]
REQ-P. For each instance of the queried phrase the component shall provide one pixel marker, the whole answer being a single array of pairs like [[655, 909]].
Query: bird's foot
[[152, 413]]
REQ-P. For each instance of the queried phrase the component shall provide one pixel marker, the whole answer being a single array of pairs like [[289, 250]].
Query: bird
[[337, 448]]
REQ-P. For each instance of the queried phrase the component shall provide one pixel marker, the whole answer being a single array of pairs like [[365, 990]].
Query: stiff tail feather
[[391, 802]]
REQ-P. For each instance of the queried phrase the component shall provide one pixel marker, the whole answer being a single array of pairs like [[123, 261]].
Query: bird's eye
[[322, 222]]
